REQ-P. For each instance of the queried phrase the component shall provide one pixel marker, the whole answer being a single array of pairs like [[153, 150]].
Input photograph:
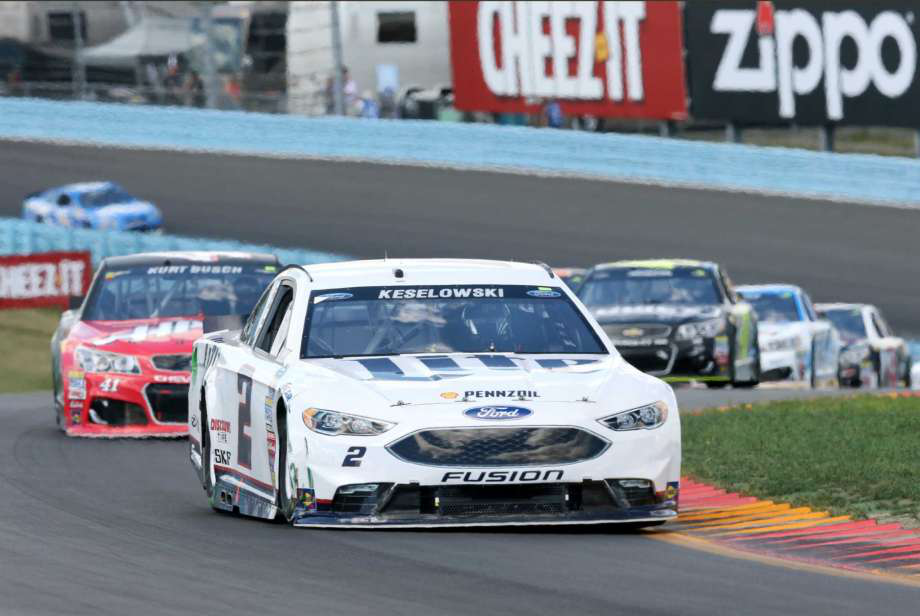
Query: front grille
[[111, 412], [548, 498], [168, 402], [638, 496], [528, 446], [637, 330], [177, 363]]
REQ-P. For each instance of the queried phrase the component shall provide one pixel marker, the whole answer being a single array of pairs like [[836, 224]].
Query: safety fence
[[633, 158], [26, 237]]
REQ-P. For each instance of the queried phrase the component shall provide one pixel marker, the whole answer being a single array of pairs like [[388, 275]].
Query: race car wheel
[[206, 448], [283, 500]]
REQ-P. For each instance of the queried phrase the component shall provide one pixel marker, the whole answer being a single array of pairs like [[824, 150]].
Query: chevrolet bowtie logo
[[633, 332]]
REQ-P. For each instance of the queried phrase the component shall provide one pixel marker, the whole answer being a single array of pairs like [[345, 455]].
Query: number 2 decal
[[353, 458], [244, 419]]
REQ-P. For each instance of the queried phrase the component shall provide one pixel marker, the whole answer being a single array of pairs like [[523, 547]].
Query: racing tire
[[206, 451], [282, 499], [812, 378]]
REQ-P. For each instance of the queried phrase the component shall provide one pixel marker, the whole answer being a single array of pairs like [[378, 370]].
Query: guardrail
[[26, 237], [632, 158]]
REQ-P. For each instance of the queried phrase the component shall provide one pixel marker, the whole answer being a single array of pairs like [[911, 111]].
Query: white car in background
[[872, 356], [420, 393], [796, 345]]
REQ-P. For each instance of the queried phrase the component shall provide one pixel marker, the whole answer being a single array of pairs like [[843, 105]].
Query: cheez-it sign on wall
[[607, 59], [46, 279]]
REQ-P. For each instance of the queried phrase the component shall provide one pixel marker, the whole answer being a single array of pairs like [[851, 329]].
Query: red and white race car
[[121, 361]]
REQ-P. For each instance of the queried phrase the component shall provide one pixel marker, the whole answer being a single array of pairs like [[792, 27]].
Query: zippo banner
[[807, 63], [607, 59], [46, 279]]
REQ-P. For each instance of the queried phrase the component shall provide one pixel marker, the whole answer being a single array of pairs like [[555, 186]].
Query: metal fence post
[[210, 72], [826, 138], [78, 68], [337, 70], [732, 133]]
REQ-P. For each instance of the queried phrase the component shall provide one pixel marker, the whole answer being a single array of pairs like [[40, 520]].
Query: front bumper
[[706, 359], [120, 405], [417, 506]]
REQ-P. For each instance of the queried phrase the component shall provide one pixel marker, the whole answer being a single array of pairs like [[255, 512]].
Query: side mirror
[[74, 302]]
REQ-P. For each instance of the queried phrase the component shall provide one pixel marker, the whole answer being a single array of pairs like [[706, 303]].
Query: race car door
[[257, 437]]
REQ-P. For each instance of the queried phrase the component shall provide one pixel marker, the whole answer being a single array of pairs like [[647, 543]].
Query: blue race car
[[92, 205]]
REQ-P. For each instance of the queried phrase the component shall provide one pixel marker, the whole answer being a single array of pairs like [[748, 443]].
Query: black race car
[[677, 319]]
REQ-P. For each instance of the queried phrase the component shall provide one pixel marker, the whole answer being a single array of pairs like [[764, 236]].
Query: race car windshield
[[143, 292], [642, 287], [106, 196], [774, 308], [365, 321], [848, 321]]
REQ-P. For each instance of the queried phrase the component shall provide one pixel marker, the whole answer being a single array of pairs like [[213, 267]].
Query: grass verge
[[854, 455], [25, 361]]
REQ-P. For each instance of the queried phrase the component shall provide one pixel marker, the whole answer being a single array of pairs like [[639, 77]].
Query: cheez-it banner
[[46, 279], [607, 59]]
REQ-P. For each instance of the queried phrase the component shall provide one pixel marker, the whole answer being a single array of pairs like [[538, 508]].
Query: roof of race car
[[84, 187], [769, 289], [840, 306], [383, 272], [188, 256], [656, 264]]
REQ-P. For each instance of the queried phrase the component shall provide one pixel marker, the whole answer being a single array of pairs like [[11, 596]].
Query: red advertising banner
[[46, 279], [608, 59]]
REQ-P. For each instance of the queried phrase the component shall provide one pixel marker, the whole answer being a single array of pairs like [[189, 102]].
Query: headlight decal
[[709, 328], [334, 423], [91, 360], [647, 417]]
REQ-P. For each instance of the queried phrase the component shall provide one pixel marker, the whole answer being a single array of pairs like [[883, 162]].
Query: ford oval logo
[[498, 412]]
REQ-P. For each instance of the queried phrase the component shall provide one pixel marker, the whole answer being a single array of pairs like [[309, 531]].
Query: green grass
[[25, 354], [855, 455]]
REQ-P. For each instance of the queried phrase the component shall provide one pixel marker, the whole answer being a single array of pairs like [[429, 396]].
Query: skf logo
[[633, 332], [777, 71], [498, 412]]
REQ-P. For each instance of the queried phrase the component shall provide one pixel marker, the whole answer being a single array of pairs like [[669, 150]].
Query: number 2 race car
[[677, 319], [424, 393], [120, 362]]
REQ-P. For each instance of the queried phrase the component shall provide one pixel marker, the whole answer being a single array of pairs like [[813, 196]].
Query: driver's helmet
[[247, 290], [487, 322]]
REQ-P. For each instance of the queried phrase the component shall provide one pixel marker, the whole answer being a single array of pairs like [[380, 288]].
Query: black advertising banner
[[807, 63]]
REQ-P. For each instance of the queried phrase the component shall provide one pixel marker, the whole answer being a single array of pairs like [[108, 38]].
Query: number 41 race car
[[429, 393], [120, 362]]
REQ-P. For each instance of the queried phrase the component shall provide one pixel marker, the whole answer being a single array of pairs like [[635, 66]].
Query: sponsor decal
[[222, 457], [500, 393], [615, 59], [502, 476], [222, 428], [194, 421], [287, 391], [633, 332], [114, 275], [76, 386], [176, 379], [160, 270], [306, 499], [544, 293], [45, 279], [76, 404], [811, 64], [443, 293], [332, 297], [450, 395], [165, 329], [75, 417], [498, 412]]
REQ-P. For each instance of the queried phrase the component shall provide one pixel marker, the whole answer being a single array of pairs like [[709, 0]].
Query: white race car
[[422, 393], [795, 344]]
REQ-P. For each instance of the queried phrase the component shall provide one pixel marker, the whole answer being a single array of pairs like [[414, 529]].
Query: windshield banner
[[46, 279], [605, 59], [438, 292]]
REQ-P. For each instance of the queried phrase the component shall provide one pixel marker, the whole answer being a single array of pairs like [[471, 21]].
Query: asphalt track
[[122, 527]]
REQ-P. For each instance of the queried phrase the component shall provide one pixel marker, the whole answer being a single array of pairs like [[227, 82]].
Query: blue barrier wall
[[634, 158], [22, 237]]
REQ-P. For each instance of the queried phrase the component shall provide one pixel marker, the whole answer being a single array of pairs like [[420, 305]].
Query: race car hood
[[769, 331], [669, 314], [139, 336], [482, 379]]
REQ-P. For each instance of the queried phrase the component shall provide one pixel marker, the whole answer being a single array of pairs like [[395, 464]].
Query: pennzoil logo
[[450, 395]]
